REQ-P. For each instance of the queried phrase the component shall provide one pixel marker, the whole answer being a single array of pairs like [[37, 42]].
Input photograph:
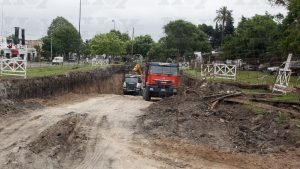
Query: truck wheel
[[146, 95]]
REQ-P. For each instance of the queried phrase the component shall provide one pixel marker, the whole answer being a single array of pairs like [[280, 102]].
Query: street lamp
[[114, 24], [79, 34], [132, 39]]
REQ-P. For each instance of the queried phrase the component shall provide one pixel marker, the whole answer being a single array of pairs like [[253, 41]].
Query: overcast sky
[[147, 16]]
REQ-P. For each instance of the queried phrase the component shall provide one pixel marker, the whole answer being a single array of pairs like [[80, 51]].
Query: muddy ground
[[233, 127], [228, 128], [103, 131]]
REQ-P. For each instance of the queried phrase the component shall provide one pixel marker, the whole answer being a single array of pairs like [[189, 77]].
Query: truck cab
[[58, 61], [132, 84], [160, 80]]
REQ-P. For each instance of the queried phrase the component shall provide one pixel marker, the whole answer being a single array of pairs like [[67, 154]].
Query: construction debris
[[220, 115]]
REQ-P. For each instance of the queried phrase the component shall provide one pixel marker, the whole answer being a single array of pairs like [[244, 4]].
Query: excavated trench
[[13, 92], [101, 81], [62, 142]]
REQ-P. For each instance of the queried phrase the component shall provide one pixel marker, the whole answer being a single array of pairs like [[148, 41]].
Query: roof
[[132, 76]]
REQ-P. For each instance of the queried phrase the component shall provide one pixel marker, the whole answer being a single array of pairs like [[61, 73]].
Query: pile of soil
[[231, 127], [61, 145], [9, 108], [61, 139]]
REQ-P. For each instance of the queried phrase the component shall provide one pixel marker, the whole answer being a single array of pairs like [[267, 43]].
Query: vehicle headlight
[[124, 84]]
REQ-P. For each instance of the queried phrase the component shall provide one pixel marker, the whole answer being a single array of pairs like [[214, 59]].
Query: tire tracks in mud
[[96, 149]]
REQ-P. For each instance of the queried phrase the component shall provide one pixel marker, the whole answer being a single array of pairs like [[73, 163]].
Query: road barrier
[[100, 62], [222, 71], [184, 65], [283, 77], [14, 67]]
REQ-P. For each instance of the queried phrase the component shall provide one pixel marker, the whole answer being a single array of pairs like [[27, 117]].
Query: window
[[131, 80], [163, 70]]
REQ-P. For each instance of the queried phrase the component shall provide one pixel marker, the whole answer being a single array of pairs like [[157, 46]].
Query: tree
[[280, 2], [38, 51], [184, 36], [223, 15], [65, 38], [209, 30], [160, 52], [86, 48], [108, 43], [123, 36], [256, 37], [142, 44], [290, 29], [217, 36], [229, 27]]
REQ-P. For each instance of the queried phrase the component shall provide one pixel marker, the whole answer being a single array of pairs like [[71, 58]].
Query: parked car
[[58, 61], [272, 70], [249, 67]]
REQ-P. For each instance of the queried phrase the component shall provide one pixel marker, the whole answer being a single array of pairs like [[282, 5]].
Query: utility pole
[[132, 39], [2, 17], [114, 24], [79, 34], [51, 47]]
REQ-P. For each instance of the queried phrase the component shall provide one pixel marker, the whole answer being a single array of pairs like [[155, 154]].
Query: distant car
[[132, 84], [249, 67], [272, 70], [58, 61]]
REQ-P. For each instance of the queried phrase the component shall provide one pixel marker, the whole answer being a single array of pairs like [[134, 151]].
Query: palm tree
[[223, 15]]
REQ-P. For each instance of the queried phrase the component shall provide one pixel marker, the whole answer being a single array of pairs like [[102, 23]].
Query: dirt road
[[96, 133]]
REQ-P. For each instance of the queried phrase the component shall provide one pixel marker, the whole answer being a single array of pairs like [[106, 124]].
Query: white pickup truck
[[58, 61]]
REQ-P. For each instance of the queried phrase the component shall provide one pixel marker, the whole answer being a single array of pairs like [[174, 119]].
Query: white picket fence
[[13, 67], [222, 71], [100, 62], [283, 77], [184, 65]]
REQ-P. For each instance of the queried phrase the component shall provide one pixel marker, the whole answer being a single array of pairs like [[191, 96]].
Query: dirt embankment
[[227, 127], [13, 92], [63, 143], [102, 81]]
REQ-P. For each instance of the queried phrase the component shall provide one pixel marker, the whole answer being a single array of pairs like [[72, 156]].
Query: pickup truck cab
[[58, 61], [132, 84]]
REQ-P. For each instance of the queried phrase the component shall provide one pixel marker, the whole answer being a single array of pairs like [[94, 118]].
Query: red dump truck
[[160, 80]]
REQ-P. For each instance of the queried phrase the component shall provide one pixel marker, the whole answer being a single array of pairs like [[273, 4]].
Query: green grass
[[256, 77], [54, 70], [296, 122], [256, 110], [290, 97], [251, 77]]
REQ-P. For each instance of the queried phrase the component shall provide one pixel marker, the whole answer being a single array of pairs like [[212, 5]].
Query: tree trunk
[[223, 29]]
